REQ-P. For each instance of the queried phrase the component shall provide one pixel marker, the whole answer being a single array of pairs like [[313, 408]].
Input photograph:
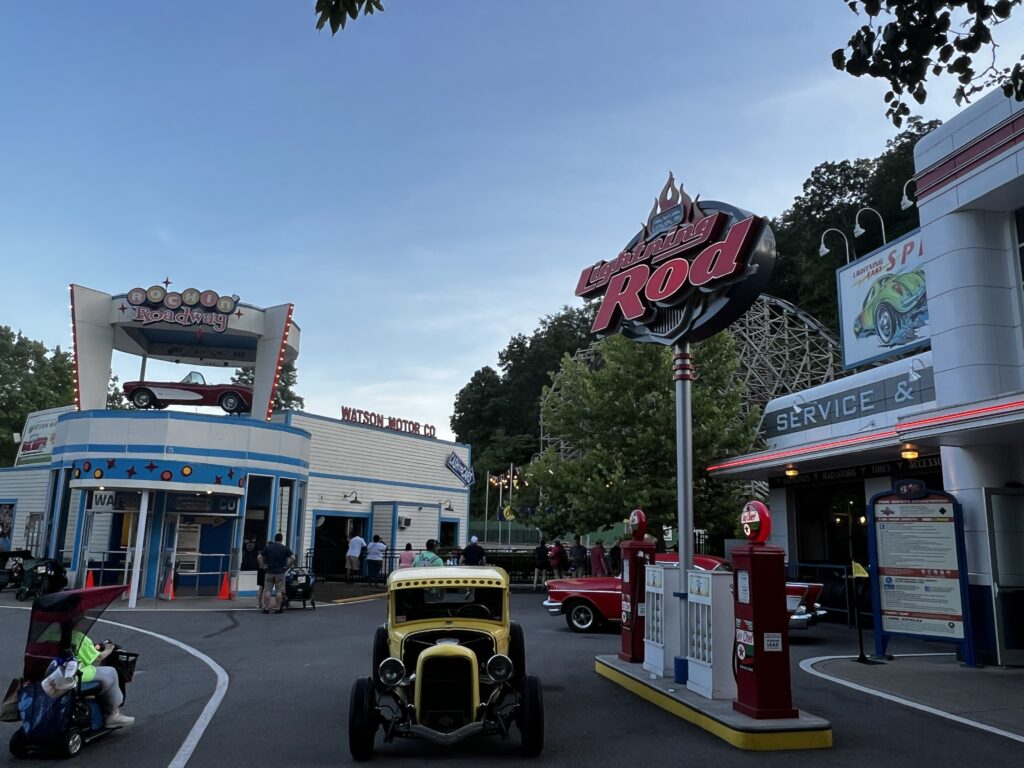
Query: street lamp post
[[823, 250], [906, 203], [858, 230]]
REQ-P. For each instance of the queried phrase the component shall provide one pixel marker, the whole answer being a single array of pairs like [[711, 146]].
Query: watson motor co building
[[955, 409], [159, 497]]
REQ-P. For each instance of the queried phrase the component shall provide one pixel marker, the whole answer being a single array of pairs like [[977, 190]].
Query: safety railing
[[195, 566]]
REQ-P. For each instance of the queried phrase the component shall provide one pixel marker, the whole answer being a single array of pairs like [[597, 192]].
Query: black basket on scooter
[[298, 585]]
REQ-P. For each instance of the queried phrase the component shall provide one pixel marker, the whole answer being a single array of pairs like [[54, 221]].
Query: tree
[[926, 36], [116, 401], [619, 416], [32, 378], [285, 398], [831, 197], [336, 12]]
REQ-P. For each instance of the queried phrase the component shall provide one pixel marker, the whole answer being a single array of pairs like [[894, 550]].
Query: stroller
[[41, 577], [298, 585], [12, 566], [62, 724]]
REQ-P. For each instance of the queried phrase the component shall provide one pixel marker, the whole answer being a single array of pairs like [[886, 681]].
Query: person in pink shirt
[[405, 559]]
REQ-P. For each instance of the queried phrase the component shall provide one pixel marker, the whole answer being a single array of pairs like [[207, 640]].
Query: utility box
[[662, 628], [709, 626]]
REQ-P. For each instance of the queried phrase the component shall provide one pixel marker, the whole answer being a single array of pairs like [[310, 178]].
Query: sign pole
[[140, 540], [487, 501], [682, 375]]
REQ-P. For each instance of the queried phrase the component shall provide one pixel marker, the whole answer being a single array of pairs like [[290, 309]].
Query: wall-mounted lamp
[[862, 519], [906, 202], [858, 230], [16, 436], [916, 365], [798, 405], [353, 497], [823, 250], [791, 470], [448, 505], [909, 451], [101, 488]]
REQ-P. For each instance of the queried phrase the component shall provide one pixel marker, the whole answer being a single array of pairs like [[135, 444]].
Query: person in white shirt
[[375, 559], [355, 549]]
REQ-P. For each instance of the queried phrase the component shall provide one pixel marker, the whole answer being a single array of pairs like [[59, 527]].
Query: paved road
[[290, 676]]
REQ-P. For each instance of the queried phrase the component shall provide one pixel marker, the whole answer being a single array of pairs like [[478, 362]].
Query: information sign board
[[918, 573]]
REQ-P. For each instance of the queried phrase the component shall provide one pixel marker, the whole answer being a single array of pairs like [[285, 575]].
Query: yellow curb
[[755, 741], [362, 599]]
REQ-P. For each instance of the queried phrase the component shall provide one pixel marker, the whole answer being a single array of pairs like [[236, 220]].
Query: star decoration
[[111, 463], [122, 309], [130, 472], [239, 313], [216, 479], [231, 473], [151, 466], [167, 282]]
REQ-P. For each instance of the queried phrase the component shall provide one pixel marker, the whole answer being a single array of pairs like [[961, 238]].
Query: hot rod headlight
[[391, 672], [499, 667]]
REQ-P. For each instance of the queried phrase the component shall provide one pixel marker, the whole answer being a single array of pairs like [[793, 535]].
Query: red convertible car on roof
[[191, 390], [591, 601]]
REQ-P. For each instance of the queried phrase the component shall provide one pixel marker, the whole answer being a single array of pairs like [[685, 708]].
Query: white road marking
[[807, 665], [199, 727]]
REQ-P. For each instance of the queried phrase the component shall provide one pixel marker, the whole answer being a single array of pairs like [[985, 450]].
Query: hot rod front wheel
[[362, 719], [531, 717]]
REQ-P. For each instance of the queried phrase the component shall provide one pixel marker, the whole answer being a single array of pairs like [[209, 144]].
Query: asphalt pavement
[[289, 678]]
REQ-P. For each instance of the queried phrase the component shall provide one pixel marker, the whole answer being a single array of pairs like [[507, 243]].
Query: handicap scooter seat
[[91, 688]]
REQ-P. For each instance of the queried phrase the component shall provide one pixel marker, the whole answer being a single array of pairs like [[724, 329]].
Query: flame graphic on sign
[[670, 197]]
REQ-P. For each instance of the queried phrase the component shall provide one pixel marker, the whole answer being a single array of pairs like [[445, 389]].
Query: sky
[[423, 186]]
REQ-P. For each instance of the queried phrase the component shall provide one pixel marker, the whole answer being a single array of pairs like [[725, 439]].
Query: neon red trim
[[906, 426], [74, 351]]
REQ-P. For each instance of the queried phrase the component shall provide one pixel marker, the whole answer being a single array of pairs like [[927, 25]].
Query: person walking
[[615, 558], [277, 558], [375, 559], [578, 557], [598, 561], [540, 565], [428, 557], [473, 554], [406, 559], [352, 563]]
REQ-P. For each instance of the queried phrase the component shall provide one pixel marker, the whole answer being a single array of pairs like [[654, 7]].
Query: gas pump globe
[[756, 521], [636, 525]]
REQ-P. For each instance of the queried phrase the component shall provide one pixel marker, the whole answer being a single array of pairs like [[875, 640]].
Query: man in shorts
[[277, 558], [352, 562]]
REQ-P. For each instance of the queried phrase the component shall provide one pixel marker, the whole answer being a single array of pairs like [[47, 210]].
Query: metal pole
[[682, 375], [140, 540], [501, 488], [487, 501]]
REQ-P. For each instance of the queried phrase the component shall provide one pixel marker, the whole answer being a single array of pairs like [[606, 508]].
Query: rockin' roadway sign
[[693, 269]]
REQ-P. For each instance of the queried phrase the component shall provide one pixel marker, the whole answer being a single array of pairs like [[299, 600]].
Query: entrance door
[[1005, 509]]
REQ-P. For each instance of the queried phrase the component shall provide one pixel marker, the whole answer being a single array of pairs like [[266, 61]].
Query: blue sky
[[422, 186]]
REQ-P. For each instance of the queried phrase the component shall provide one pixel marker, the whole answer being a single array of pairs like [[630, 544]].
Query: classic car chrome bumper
[[446, 739], [802, 618], [554, 607]]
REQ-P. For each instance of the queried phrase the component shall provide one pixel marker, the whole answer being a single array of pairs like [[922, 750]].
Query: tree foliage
[[916, 38], [619, 417], [285, 398], [831, 197], [32, 378], [335, 13], [498, 413]]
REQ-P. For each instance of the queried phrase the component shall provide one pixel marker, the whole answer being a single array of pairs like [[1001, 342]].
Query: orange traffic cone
[[225, 588], [89, 583], [168, 593]]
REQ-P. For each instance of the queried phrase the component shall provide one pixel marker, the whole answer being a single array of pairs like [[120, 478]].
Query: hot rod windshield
[[449, 602]]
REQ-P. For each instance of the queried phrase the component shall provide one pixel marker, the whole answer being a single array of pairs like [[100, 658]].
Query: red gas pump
[[762, 623], [636, 554]]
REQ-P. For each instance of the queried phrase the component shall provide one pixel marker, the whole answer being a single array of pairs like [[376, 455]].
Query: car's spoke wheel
[[885, 323], [230, 402], [362, 719], [142, 398], [531, 716], [581, 617]]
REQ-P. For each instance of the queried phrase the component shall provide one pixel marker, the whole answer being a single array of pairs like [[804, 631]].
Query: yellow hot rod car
[[449, 664]]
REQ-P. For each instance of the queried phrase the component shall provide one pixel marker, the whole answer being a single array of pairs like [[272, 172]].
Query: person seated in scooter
[[89, 655]]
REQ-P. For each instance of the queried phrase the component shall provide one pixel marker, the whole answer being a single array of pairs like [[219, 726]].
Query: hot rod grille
[[446, 693], [480, 643]]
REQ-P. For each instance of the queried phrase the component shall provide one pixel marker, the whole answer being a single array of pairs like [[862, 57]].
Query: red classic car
[[191, 390], [590, 601]]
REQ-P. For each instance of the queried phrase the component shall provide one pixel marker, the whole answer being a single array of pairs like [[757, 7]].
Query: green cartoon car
[[894, 307]]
